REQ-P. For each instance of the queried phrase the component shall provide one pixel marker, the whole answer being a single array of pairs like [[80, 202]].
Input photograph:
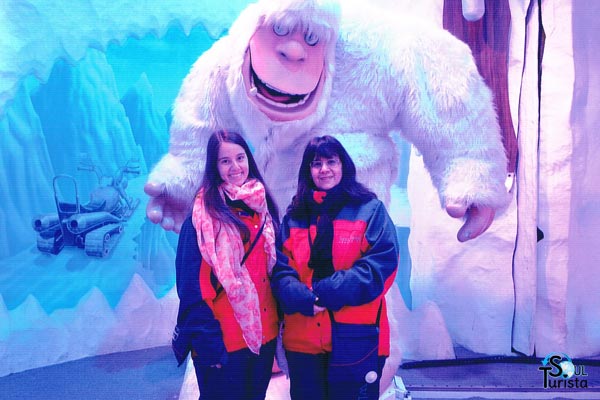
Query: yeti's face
[[284, 71]]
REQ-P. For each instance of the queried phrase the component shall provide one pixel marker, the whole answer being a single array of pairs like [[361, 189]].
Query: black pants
[[246, 375], [308, 380]]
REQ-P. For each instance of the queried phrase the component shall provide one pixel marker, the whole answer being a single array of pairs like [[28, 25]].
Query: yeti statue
[[289, 70], [292, 69]]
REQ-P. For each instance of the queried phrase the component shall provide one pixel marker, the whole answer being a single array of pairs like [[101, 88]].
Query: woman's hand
[[317, 309]]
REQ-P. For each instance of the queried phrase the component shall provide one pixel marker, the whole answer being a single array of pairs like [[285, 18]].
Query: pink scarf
[[222, 248]]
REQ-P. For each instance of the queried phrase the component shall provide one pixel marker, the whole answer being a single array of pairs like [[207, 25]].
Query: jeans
[[246, 375], [308, 380]]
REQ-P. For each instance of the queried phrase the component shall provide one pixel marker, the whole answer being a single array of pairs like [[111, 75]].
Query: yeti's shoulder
[[371, 33], [398, 55]]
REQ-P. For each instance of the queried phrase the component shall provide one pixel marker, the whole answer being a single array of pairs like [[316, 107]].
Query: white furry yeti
[[292, 69]]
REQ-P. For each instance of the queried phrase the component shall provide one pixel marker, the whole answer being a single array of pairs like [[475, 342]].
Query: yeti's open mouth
[[273, 96], [276, 104]]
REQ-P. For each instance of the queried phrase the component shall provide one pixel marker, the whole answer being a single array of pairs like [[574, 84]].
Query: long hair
[[328, 147], [215, 206]]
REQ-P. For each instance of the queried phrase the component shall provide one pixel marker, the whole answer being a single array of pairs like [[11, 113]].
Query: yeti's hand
[[164, 209], [478, 219]]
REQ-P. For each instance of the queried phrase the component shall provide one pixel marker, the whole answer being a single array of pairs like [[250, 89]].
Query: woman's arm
[[366, 279], [196, 320]]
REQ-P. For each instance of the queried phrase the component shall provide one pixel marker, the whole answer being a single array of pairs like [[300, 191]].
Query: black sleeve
[[198, 327], [365, 280]]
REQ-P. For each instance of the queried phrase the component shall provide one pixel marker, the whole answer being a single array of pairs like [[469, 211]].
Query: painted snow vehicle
[[95, 226]]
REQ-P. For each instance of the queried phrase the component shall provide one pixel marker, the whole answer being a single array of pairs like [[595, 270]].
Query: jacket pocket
[[354, 352]]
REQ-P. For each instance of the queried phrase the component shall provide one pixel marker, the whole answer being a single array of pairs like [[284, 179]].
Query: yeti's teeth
[[255, 93], [273, 103], [253, 89], [282, 105], [277, 90], [304, 99]]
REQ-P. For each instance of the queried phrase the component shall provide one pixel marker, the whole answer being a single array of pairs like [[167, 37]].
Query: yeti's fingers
[[173, 216], [168, 223], [178, 221], [154, 209], [478, 220], [456, 210], [154, 189]]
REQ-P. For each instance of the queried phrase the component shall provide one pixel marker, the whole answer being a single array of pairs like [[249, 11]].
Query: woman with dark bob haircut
[[338, 258], [227, 314], [327, 147]]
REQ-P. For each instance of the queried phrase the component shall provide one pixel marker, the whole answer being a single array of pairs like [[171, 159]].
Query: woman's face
[[326, 173], [232, 163]]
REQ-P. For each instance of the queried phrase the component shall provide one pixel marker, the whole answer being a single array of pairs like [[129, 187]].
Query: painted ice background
[[84, 78], [96, 79]]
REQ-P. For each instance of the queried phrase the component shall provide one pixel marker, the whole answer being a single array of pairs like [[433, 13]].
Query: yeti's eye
[[311, 39], [280, 30]]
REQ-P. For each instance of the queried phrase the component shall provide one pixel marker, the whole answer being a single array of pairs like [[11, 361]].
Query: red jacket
[[204, 306], [365, 258]]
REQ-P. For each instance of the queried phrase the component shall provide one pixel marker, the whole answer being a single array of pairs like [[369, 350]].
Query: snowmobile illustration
[[95, 226]]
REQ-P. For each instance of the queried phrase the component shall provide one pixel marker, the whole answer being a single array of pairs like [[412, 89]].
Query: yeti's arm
[[447, 112], [200, 108], [441, 104]]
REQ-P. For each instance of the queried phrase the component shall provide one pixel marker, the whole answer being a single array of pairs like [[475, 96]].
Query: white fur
[[389, 74]]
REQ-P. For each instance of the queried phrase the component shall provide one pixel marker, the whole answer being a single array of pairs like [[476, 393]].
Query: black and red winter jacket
[[365, 259], [204, 309]]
